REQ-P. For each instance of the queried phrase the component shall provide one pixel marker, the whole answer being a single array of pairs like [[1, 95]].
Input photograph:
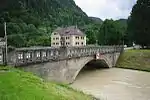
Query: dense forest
[[139, 23], [30, 22]]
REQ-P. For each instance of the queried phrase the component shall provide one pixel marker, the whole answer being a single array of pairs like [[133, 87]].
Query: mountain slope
[[50, 10], [97, 20], [122, 21], [30, 22]]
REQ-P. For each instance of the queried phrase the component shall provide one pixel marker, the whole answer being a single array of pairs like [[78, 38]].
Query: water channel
[[114, 84]]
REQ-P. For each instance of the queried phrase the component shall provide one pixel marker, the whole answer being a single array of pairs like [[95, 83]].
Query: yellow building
[[70, 36]]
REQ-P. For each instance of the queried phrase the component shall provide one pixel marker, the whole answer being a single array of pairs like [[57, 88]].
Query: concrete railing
[[25, 56]]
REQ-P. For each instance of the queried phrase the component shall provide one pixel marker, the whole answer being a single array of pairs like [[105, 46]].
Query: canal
[[114, 84]]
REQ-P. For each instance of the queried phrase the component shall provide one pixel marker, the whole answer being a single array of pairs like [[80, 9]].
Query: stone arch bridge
[[61, 64]]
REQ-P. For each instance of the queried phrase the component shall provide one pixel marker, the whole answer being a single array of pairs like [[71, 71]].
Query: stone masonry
[[61, 64]]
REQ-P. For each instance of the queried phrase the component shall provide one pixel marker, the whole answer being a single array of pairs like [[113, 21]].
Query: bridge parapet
[[25, 56]]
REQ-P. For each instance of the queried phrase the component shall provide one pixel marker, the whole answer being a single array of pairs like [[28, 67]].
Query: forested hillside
[[30, 22], [97, 20]]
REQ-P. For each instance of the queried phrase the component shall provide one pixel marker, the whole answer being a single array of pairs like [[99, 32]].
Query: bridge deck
[[25, 56]]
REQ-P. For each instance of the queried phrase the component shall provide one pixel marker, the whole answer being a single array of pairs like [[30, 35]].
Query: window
[[77, 43], [20, 56], [66, 38], [82, 43], [57, 43], [67, 43], [77, 37], [53, 43], [53, 38], [82, 38], [62, 38], [67, 31], [55, 33], [57, 38]]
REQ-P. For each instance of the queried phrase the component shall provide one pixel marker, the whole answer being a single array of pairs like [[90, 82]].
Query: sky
[[106, 9]]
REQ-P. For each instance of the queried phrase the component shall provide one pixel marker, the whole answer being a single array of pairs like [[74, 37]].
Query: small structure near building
[[2, 42], [69, 36], [2, 51]]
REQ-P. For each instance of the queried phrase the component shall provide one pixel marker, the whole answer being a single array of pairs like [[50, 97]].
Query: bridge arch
[[84, 61], [66, 71]]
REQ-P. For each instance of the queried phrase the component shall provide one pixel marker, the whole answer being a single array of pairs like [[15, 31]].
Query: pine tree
[[139, 23]]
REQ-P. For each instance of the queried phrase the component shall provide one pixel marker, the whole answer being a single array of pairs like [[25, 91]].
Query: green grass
[[19, 85], [135, 59]]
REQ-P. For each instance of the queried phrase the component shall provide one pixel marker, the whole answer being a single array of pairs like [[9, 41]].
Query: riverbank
[[135, 59], [115, 84], [18, 85]]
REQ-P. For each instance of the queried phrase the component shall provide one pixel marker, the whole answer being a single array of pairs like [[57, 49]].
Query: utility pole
[[96, 41], [5, 29]]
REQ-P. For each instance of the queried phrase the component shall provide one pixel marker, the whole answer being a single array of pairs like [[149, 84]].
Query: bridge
[[61, 64]]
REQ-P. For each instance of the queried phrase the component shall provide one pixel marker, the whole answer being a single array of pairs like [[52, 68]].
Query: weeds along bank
[[135, 59]]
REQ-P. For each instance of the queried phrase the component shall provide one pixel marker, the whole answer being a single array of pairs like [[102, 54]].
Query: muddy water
[[115, 84]]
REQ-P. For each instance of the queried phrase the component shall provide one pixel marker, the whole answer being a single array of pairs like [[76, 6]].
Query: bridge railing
[[25, 56]]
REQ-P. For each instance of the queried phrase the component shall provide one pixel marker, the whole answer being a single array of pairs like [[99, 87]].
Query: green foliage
[[111, 33], [139, 23], [96, 20], [31, 22], [19, 85], [92, 30]]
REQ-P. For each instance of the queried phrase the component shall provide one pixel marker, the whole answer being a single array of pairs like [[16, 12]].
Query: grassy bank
[[135, 59], [19, 85]]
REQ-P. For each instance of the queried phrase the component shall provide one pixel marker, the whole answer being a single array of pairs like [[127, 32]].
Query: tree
[[111, 33], [139, 23], [92, 31], [29, 20]]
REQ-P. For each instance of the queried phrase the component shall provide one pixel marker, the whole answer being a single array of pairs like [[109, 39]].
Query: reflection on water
[[115, 84]]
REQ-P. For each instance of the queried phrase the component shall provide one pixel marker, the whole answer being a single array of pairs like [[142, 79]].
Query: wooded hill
[[30, 22]]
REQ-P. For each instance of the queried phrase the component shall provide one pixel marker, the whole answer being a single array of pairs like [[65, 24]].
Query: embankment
[[135, 59], [18, 85]]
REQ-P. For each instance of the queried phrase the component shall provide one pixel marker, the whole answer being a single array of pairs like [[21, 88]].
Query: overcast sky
[[103, 9]]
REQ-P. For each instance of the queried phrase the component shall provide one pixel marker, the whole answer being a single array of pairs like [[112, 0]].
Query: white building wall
[[84, 40], [70, 40], [55, 40], [79, 40]]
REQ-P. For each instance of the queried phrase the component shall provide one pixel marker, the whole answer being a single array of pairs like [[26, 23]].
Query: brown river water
[[114, 84]]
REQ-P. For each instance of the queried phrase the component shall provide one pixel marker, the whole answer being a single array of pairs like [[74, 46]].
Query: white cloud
[[103, 9]]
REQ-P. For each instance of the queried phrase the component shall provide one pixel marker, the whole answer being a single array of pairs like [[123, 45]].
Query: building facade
[[70, 36]]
